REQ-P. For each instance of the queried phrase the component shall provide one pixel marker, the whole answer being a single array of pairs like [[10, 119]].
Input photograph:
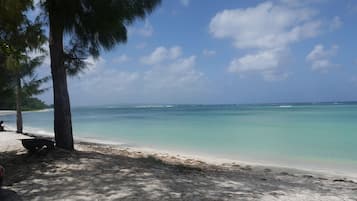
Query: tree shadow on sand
[[91, 175]]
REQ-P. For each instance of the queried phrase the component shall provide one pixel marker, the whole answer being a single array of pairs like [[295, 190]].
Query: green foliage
[[29, 103], [12, 11], [7, 100], [33, 86], [32, 103], [11, 15], [94, 25], [18, 37], [6, 88]]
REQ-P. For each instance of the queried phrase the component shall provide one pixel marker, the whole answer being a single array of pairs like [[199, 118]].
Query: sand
[[111, 172], [7, 112]]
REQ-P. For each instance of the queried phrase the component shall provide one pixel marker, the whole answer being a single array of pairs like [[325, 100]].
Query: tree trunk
[[62, 110], [18, 105]]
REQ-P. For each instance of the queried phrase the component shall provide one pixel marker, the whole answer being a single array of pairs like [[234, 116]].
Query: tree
[[19, 36], [6, 91], [11, 15], [91, 25], [26, 83]]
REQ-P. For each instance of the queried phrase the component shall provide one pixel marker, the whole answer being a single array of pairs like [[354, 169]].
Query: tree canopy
[[92, 25], [18, 37]]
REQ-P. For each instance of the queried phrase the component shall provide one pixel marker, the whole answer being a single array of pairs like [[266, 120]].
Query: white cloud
[[161, 54], [265, 62], [99, 78], [121, 59], [170, 70], [179, 75], [206, 52], [262, 61], [268, 29], [320, 58], [169, 78], [93, 65], [299, 3], [146, 31], [265, 26], [185, 2], [98, 84], [183, 64], [336, 23]]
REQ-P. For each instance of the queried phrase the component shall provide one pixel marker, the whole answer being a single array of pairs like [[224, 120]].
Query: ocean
[[321, 137]]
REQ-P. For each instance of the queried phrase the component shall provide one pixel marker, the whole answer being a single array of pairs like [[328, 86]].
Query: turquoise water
[[319, 136]]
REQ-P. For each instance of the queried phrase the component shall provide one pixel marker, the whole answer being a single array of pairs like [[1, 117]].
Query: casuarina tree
[[19, 37], [79, 29]]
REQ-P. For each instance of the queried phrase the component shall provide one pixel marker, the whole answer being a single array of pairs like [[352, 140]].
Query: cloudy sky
[[229, 51]]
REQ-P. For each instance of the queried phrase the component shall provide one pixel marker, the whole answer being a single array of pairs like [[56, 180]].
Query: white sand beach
[[110, 172], [7, 112]]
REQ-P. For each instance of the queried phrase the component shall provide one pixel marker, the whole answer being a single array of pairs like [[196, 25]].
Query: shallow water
[[312, 136]]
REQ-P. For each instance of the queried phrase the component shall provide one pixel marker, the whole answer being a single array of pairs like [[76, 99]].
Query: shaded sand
[[103, 172]]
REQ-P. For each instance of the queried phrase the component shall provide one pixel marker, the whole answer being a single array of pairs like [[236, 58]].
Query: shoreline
[[114, 172], [13, 112], [306, 162], [212, 160], [7, 112]]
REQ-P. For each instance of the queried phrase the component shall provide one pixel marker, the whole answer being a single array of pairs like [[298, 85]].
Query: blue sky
[[197, 51]]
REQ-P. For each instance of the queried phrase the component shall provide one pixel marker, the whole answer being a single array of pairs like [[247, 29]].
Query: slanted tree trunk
[[62, 110], [18, 105]]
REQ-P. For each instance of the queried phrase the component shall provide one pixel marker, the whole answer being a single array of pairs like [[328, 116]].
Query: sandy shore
[[7, 112], [111, 172]]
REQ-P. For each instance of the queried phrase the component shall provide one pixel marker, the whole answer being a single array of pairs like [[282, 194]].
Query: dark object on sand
[[39, 146], [2, 127]]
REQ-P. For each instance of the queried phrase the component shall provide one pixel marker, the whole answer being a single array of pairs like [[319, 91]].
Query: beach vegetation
[[79, 29], [20, 37]]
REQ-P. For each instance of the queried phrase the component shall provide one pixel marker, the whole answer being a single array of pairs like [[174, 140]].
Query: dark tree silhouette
[[91, 25]]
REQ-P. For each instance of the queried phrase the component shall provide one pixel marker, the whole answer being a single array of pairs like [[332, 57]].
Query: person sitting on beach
[[2, 127]]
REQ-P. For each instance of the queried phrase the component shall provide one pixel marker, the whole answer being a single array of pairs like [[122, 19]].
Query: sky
[[227, 52]]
